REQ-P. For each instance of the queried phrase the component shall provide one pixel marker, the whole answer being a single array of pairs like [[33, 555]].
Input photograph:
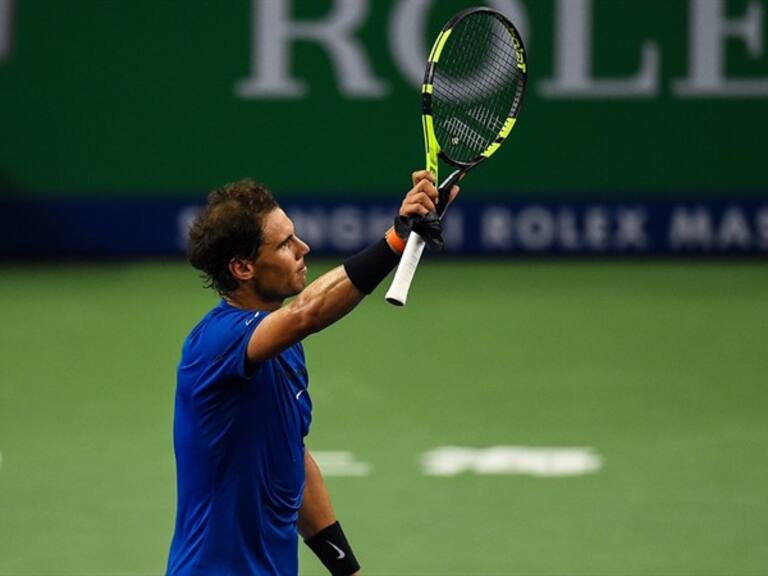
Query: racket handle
[[398, 290]]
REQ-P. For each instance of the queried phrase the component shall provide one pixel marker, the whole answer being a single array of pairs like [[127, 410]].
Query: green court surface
[[661, 369]]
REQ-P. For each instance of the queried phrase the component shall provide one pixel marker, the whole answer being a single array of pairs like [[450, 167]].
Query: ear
[[242, 269]]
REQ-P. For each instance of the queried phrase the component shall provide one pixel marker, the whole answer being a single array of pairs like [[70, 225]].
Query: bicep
[[322, 303], [278, 331]]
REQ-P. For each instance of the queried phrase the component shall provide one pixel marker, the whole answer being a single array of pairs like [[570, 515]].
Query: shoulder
[[221, 328]]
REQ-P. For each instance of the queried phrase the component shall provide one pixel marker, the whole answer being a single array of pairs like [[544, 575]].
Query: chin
[[296, 289]]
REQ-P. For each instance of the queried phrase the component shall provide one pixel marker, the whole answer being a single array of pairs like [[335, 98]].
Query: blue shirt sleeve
[[226, 339], [242, 333]]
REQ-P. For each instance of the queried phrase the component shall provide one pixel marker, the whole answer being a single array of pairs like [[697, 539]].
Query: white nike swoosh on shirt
[[339, 550], [299, 393], [250, 320]]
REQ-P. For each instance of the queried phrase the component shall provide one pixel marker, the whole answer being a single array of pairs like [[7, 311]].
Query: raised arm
[[320, 304], [336, 293]]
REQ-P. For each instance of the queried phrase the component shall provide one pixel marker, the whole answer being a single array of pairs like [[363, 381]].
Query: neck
[[246, 298]]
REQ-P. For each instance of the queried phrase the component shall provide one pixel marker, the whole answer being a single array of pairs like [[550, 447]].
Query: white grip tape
[[398, 291]]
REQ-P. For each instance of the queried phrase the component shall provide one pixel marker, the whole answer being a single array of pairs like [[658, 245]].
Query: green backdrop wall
[[108, 98]]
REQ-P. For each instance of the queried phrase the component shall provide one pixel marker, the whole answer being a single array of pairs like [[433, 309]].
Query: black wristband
[[331, 546], [368, 268]]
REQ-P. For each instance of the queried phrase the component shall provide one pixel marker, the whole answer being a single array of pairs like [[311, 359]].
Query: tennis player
[[247, 486]]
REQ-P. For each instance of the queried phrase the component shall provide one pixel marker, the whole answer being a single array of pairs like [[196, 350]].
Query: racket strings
[[495, 82], [477, 83], [477, 40], [489, 68], [499, 65]]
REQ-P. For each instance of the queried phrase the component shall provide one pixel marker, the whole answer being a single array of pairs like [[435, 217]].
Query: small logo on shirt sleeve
[[250, 320]]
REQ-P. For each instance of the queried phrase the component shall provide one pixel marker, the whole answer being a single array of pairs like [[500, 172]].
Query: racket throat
[[444, 190]]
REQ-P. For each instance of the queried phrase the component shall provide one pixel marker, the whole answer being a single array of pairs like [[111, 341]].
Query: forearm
[[316, 511], [323, 302], [319, 527], [327, 299], [336, 293]]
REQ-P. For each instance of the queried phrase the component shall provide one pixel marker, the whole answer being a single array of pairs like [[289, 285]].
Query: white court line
[[340, 463], [528, 460]]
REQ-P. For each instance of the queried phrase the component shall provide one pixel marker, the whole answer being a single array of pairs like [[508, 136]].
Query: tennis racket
[[472, 93]]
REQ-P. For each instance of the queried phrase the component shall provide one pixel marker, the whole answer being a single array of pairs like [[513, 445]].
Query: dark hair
[[228, 227]]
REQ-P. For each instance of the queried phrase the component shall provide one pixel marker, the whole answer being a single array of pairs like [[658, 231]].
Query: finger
[[420, 199], [426, 201], [420, 175], [454, 192], [427, 188], [413, 209]]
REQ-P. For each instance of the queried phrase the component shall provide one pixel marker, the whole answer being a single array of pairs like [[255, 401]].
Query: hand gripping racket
[[472, 93]]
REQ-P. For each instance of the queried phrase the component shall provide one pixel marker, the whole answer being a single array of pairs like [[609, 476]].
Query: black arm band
[[368, 268], [331, 546]]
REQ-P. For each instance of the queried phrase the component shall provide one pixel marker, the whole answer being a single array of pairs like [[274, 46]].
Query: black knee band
[[331, 546], [368, 268]]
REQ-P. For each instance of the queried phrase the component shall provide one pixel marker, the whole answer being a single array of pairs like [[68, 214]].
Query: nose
[[303, 247]]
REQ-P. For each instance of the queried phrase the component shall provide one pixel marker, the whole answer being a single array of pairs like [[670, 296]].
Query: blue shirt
[[238, 436]]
